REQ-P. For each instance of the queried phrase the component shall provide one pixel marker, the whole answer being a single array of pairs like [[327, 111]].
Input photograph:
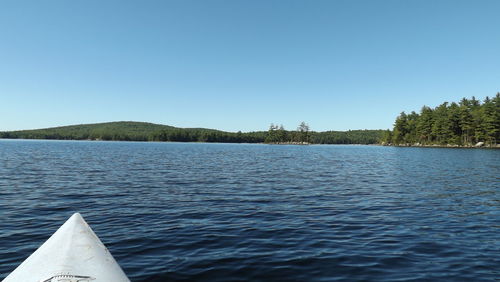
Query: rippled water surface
[[226, 212]]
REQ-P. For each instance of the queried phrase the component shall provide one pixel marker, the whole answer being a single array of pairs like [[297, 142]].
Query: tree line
[[464, 124], [207, 135], [303, 135], [140, 131]]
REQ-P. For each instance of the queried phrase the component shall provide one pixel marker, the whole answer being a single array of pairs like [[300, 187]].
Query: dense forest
[[142, 131], [124, 130], [460, 124]]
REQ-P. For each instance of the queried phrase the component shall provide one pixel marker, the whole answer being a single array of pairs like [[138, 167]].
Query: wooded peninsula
[[465, 124]]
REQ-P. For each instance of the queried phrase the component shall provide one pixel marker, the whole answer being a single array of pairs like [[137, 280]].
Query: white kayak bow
[[73, 254]]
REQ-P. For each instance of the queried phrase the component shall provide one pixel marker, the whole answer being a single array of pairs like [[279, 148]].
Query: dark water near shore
[[226, 212]]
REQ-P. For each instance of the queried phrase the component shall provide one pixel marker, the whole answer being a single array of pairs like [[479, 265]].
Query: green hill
[[121, 130], [143, 131]]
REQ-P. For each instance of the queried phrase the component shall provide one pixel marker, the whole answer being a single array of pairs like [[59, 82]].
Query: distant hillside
[[143, 131], [121, 130]]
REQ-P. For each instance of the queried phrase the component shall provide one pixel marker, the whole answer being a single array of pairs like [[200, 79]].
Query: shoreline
[[450, 146], [443, 146], [196, 142]]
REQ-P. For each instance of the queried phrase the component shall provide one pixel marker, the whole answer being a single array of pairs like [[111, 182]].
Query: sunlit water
[[225, 212]]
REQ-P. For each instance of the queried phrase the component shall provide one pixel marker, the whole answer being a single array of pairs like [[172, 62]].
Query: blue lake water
[[229, 212]]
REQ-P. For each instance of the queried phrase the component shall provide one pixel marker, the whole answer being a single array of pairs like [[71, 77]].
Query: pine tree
[[441, 126], [466, 122], [454, 124], [400, 128], [303, 130], [272, 135], [424, 125], [490, 121]]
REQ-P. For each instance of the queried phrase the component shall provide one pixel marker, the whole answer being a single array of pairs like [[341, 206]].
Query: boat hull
[[72, 253]]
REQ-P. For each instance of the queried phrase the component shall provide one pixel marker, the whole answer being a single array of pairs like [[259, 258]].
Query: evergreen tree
[[424, 125], [466, 122], [282, 134], [490, 121], [400, 129], [272, 135], [454, 124], [441, 127], [303, 130], [411, 128]]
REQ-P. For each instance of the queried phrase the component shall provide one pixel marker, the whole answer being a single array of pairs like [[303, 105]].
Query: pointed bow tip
[[76, 217]]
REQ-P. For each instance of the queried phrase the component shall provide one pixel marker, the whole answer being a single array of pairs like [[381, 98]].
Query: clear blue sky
[[241, 65]]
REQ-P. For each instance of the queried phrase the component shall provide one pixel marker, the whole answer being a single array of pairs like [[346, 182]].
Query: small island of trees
[[278, 135]]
